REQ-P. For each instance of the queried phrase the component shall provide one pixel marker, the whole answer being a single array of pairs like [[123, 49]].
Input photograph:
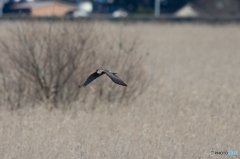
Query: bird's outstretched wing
[[115, 78], [91, 78]]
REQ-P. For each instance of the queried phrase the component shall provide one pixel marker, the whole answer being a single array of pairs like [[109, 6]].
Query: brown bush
[[45, 62]]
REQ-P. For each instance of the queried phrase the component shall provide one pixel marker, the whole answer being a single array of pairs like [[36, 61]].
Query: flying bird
[[100, 72]]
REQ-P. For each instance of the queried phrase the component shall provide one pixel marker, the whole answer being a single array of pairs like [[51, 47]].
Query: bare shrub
[[47, 61]]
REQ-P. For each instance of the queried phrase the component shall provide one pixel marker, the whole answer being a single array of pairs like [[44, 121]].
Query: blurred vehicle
[[120, 13], [80, 13], [84, 9]]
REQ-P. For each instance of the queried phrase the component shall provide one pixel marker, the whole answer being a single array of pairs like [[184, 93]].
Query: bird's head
[[99, 71]]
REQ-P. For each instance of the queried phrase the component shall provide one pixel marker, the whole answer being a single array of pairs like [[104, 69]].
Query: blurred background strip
[[120, 8]]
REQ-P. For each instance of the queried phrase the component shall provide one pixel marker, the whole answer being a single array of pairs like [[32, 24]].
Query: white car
[[120, 14], [80, 13], [84, 9]]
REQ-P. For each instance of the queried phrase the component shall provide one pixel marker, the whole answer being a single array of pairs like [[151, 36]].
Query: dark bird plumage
[[100, 72]]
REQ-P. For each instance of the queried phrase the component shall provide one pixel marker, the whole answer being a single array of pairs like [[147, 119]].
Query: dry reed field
[[182, 99]]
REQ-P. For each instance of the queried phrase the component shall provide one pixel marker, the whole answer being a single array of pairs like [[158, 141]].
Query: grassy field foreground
[[190, 108]]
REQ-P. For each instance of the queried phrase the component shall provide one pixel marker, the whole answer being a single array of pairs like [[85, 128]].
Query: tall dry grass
[[190, 108]]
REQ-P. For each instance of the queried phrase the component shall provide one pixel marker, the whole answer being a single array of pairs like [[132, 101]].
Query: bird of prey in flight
[[100, 72]]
